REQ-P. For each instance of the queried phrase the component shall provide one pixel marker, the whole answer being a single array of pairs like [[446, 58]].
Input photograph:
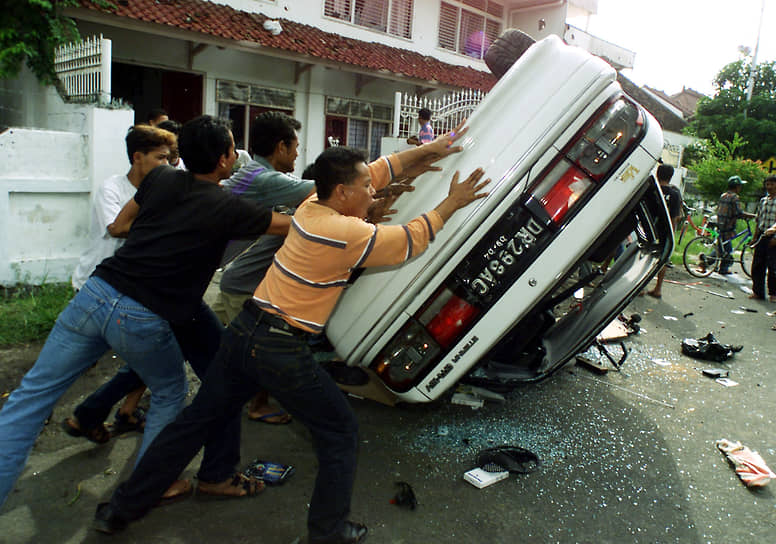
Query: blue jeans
[[255, 355], [198, 338], [97, 318]]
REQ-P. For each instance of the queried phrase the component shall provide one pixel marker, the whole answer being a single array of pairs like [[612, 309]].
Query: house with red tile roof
[[336, 65]]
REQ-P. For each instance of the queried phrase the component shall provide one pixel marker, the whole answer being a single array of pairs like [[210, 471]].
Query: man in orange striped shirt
[[266, 346]]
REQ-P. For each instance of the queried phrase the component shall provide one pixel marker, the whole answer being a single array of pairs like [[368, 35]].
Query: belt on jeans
[[272, 320]]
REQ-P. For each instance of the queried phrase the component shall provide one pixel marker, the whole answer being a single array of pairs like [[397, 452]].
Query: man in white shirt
[[147, 148]]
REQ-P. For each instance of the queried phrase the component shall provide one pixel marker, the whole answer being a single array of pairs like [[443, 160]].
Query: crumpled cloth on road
[[708, 348], [750, 467]]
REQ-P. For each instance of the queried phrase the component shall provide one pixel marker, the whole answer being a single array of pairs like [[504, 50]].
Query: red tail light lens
[[562, 195], [454, 318]]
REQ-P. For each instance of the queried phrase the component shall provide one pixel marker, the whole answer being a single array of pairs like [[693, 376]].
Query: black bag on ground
[[708, 348]]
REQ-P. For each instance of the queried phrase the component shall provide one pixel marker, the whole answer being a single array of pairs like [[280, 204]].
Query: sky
[[683, 43]]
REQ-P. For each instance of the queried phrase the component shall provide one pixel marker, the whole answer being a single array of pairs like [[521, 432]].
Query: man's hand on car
[[394, 190], [462, 193], [442, 146]]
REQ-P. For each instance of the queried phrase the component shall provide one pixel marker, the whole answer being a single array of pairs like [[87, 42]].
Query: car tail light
[[589, 158], [454, 318], [558, 197], [424, 339]]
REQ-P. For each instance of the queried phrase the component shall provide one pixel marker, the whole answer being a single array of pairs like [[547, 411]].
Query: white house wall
[[216, 63], [425, 25]]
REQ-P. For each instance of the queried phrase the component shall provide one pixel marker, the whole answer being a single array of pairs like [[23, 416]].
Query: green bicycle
[[703, 254]]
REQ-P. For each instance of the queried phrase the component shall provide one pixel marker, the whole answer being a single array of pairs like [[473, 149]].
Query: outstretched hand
[[463, 193], [443, 146], [380, 210]]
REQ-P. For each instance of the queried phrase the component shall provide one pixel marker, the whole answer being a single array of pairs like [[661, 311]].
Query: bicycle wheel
[[700, 256], [745, 258]]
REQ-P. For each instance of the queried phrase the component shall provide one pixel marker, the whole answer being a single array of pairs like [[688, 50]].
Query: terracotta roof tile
[[229, 23]]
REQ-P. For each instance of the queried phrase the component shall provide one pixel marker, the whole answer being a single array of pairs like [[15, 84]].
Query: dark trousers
[[764, 265], [256, 353], [199, 339], [727, 252]]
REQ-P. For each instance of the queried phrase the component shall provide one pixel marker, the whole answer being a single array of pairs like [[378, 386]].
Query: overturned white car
[[570, 158]]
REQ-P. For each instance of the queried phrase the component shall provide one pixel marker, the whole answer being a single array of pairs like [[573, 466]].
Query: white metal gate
[[84, 68], [446, 112]]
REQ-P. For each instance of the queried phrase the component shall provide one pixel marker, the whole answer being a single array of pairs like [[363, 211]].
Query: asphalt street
[[627, 456]]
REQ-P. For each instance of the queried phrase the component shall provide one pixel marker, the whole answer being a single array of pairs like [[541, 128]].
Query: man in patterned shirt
[[764, 260], [728, 212]]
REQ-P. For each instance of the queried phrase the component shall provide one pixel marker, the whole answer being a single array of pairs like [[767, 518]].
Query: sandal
[[99, 434], [239, 487], [123, 422]]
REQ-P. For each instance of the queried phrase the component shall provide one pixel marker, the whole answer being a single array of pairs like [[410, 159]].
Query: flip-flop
[[98, 435], [653, 295], [265, 418], [122, 423], [239, 480], [186, 490]]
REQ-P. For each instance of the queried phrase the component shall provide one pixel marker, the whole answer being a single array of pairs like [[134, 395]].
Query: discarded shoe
[[750, 467]]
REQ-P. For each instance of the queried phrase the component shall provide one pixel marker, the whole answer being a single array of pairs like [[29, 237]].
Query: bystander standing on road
[[764, 258], [729, 211], [673, 200]]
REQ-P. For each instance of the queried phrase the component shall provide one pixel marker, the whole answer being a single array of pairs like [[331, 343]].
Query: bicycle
[[702, 254], [699, 229]]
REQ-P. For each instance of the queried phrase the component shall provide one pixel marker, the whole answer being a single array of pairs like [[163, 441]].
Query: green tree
[[728, 112], [30, 30], [718, 161]]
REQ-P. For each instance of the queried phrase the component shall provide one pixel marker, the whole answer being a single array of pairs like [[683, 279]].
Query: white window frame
[[351, 19], [461, 6]]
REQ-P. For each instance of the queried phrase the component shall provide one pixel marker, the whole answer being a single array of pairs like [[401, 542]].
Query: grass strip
[[27, 313]]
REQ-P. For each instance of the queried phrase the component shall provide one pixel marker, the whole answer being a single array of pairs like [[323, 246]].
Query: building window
[[357, 124], [242, 102], [391, 16], [469, 27]]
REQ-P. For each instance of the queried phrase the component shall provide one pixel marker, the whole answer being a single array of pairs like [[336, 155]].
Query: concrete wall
[[45, 186]]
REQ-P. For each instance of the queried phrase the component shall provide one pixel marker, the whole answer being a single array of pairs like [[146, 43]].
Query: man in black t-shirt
[[177, 227], [674, 203]]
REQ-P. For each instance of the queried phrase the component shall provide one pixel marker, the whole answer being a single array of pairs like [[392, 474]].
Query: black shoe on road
[[107, 521], [351, 533]]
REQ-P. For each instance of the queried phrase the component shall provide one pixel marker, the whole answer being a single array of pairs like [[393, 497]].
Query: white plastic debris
[[750, 467], [273, 27]]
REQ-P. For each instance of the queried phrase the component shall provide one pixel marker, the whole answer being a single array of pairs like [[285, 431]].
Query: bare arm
[[121, 225], [279, 225], [431, 152]]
